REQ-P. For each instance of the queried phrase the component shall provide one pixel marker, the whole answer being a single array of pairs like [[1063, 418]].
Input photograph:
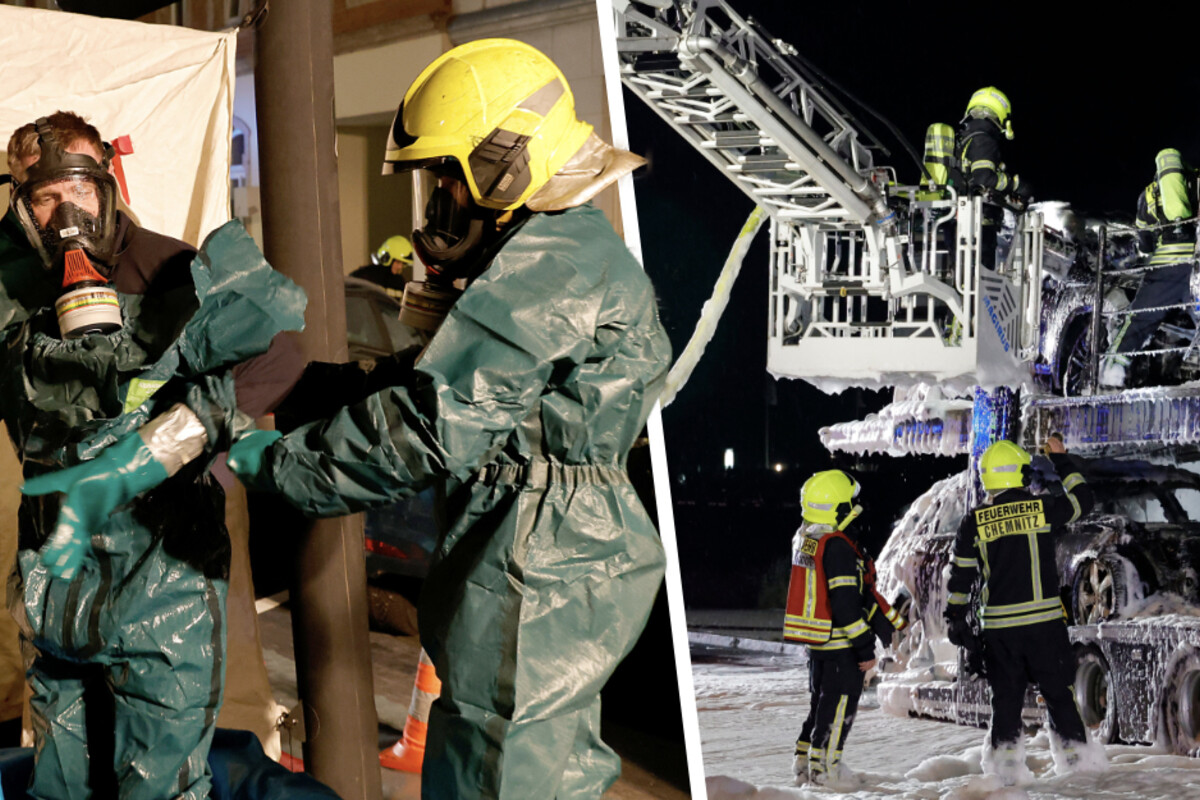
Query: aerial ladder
[[872, 283], [878, 284]]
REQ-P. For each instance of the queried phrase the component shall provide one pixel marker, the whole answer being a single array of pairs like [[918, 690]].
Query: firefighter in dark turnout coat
[[1009, 539], [834, 608], [981, 136]]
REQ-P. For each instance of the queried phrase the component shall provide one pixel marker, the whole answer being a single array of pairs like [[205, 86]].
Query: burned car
[[1137, 542], [1073, 251], [1129, 574]]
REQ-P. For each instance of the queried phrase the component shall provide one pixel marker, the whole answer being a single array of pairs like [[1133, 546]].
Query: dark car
[[1139, 540], [373, 327], [398, 538]]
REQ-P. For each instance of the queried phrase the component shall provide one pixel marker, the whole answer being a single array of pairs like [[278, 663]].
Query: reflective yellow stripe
[[793, 619], [832, 644], [843, 581], [1171, 253], [816, 625], [856, 628], [833, 747], [965, 563], [1121, 333], [1024, 619], [1023, 608], [987, 571], [1035, 566], [1072, 480], [806, 629], [810, 592], [797, 621], [1078, 512], [958, 598]]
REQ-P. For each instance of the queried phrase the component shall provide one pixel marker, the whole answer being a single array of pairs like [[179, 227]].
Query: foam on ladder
[[408, 753]]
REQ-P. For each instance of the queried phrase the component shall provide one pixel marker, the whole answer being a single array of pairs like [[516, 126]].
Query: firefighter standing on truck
[[1166, 228], [982, 133], [984, 128], [1010, 539], [832, 607]]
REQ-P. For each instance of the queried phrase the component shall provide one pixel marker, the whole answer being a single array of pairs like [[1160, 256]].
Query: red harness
[[808, 618]]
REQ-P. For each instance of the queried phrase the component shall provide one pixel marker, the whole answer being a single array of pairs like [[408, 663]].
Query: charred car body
[[1073, 253]]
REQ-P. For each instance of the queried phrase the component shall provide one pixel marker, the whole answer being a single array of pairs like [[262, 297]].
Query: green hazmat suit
[[526, 401], [127, 658]]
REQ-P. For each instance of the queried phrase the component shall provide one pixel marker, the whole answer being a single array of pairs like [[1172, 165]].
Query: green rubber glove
[[94, 489], [248, 458]]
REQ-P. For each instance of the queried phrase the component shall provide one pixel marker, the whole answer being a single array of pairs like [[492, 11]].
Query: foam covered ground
[[751, 711]]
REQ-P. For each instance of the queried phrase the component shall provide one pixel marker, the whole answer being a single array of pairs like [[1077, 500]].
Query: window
[[239, 153]]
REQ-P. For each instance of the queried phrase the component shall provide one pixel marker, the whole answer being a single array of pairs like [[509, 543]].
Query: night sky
[[1093, 100]]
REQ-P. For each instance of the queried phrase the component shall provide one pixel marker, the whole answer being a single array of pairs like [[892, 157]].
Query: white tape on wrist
[[174, 438]]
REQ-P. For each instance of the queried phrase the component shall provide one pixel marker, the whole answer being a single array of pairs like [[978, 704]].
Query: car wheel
[[1181, 704], [1095, 694], [1102, 589], [391, 612]]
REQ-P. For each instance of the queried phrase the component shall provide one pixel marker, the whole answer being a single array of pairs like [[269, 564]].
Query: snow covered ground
[[751, 706]]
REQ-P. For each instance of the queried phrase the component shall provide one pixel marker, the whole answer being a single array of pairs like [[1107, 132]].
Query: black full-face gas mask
[[67, 207], [451, 243], [83, 194], [455, 226]]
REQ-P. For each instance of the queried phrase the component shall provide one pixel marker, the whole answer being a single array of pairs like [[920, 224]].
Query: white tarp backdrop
[[169, 89]]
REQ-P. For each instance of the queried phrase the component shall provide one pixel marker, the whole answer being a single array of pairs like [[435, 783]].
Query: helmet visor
[[448, 221]]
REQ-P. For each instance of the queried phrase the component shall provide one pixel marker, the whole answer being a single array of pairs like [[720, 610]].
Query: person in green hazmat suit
[[546, 362], [116, 365], [547, 357]]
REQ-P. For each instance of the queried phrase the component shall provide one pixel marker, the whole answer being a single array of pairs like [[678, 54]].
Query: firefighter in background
[[390, 267], [1164, 212], [1024, 632], [834, 608], [982, 132]]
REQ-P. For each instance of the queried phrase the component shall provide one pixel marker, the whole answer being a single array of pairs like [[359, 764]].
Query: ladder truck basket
[[871, 284], [860, 307]]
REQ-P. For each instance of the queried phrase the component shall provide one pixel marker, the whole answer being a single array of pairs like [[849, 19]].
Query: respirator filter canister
[[88, 304]]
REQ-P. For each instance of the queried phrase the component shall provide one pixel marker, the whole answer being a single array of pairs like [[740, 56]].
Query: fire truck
[[875, 282]]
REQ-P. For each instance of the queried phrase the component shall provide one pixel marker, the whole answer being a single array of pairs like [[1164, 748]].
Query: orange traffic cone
[[408, 753]]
